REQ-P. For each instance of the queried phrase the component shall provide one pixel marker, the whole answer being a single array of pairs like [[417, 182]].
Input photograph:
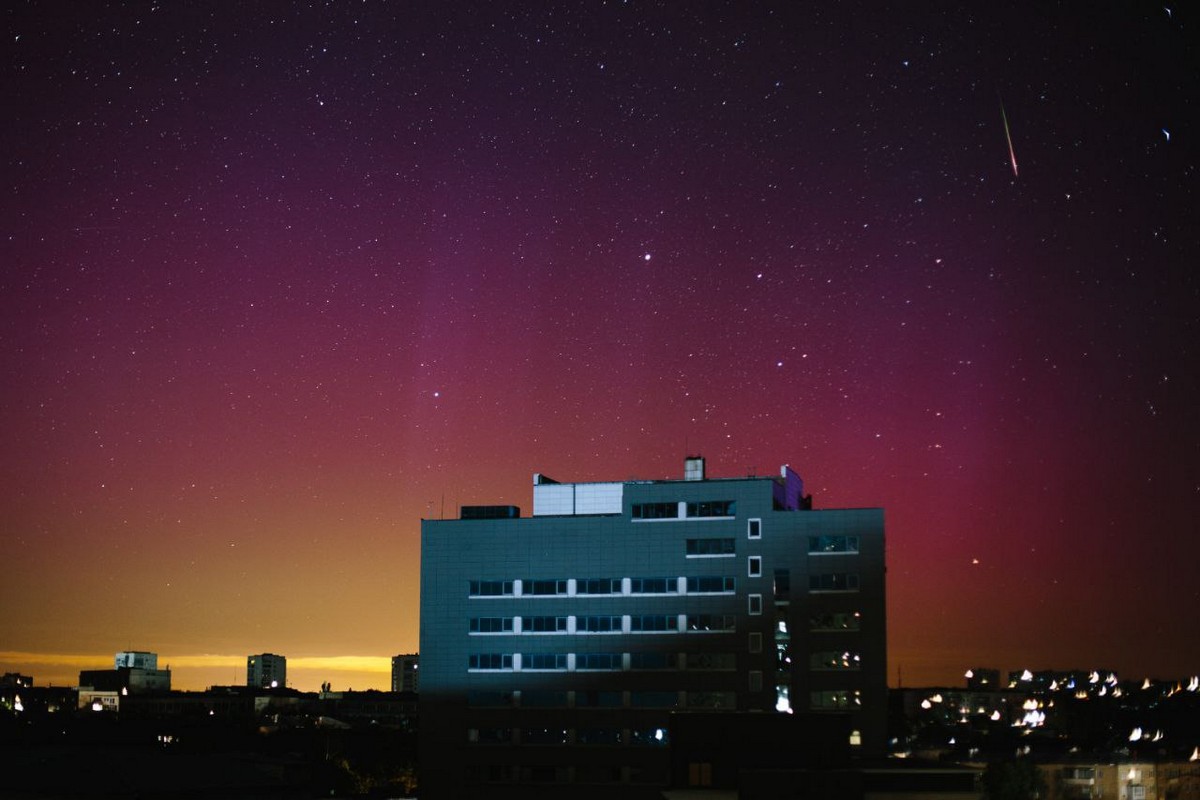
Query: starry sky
[[278, 280]]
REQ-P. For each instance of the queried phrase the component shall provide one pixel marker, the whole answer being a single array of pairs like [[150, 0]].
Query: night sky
[[278, 280]]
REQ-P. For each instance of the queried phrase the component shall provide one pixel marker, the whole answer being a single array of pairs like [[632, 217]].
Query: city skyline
[[280, 283]]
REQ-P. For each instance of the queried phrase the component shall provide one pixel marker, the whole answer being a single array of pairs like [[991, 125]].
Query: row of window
[[828, 700], [637, 623], [612, 737], [831, 621], [698, 584], [606, 662], [681, 510], [725, 546]]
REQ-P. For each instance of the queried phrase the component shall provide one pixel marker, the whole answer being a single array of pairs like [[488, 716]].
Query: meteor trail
[[1011, 153]]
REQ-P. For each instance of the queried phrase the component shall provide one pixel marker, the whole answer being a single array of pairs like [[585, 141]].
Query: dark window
[[709, 547], [491, 625], [598, 736], [610, 624], [541, 699], [754, 529], [491, 588], [711, 508], [491, 736], [710, 622], [597, 699], [489, 661], [835, 621], [653, 699], [655, 510], [544, 587], [710, 584], [543, 624], [543, 736], [598, 586], [605, 661], [833, 544], [654, 585], [544, 661], [489, 699], [755, 603], [652, 661], [833, 582], [783, 584], [653, 622]]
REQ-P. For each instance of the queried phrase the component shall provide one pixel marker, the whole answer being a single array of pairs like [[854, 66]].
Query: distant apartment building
[[266, 671], [405, 677], [561, 649], [135, 671], [135, 659]]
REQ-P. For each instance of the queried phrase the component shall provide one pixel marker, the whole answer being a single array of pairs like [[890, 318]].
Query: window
[[491, 588], [832, 544], [754, 529], [653, 585], [754, 642], [598, 661], [754, 604], [543, 624], [712, 700], [711, 508], [652, 661], [834, 621], [710, 661], [838, 660], [700, 623], [754, 566], [543, 699], [598, 736], [598, 586], [710, 584], [489, 661], [597, 699], [655, 511], [491, 625], [697, 548], [607, 624], [489, 699], [648, 737], [543, 736], [653, 622], [653, 699], [699, 773], [756, 682], [543, 587], [783, 584], [489, 735], [840, 700], [833, 582], [545, 661]]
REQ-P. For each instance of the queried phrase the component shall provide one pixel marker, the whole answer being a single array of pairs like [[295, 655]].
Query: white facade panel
[[598, 498], [553, 499]]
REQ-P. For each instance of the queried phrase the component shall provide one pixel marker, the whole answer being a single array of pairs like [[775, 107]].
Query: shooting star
[[1011, 153]]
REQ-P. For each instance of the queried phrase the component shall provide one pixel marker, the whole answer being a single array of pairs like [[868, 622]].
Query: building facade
[[556, 648], [405, 674], [266, 671]]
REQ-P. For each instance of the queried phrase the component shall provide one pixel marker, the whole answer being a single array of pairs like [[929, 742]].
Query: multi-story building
[[405, 675], [266, 671], [558, 648], [134, 671], [135, 659]]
